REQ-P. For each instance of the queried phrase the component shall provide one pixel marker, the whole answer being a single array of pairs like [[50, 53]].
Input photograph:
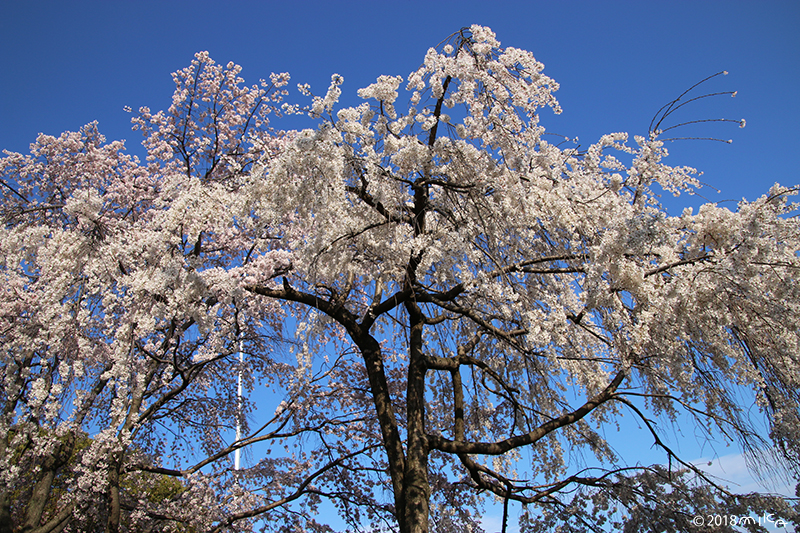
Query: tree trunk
[[5, 513], [114, 512], [417, 486], [392, 443], [39, 496]]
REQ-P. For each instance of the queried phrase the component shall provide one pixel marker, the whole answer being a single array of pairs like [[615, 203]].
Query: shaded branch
[[500, 447]]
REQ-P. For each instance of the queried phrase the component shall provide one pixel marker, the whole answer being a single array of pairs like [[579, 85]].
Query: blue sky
[[68, 63]]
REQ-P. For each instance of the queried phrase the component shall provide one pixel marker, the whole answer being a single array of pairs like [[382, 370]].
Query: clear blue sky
[[68, 63]]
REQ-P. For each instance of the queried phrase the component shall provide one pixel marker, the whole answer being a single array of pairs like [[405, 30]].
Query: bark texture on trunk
[[417, 486], [5, 513]]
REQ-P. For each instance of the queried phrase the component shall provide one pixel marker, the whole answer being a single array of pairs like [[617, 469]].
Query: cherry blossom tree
[[121, 317], [508, 298], [446, 306]]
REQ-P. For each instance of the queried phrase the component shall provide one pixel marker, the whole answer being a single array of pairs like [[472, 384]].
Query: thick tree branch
[[501, 447]]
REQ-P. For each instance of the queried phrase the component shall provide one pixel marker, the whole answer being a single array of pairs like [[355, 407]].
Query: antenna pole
[[237, 453]]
